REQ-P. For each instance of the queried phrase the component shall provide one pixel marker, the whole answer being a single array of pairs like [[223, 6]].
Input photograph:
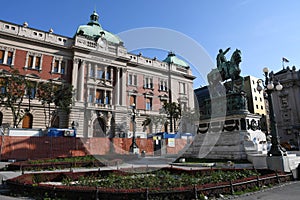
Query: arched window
[[27, 121]]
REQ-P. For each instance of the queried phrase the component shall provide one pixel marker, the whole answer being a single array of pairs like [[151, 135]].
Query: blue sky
[[264, 30]]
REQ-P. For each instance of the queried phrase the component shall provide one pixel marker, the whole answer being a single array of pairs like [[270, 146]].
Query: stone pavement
[[286, 191]]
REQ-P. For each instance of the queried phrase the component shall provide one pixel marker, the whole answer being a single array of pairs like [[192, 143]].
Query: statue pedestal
[[235, 137], [278, 163]]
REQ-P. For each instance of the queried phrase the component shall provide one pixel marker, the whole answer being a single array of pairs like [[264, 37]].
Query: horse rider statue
[[221, 59]]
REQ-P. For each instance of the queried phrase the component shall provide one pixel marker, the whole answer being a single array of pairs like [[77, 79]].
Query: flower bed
[[61, 163], [167, 182]]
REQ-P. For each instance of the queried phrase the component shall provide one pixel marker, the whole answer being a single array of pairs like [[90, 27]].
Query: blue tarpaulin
[[164, 135]]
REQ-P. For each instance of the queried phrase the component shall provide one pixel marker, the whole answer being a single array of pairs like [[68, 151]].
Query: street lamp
[[134, 147], [271, 85]]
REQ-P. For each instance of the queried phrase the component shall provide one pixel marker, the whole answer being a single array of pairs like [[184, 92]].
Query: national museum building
[[107, 80]]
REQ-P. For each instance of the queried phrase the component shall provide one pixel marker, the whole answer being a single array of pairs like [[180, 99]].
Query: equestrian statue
[[227, 70]]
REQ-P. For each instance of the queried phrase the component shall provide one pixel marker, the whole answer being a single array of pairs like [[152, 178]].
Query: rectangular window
[[3, 90], [37, 62], [63, 67], [163, 85], [99, 96], [9, 57], [132, 100], [148, 104], [107, 77], [148, 83], [31, 92], [90, 98], [92, 71], [55, 67], [30, 62], [1, 56], [99, 74], [107, 98], [132, 79], [129, 79]]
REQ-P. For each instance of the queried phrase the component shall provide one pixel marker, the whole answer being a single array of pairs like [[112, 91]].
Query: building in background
[[107, 80], [255, 99], [287, 105]]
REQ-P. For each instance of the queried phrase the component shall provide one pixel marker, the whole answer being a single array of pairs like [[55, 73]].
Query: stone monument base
[[278, 163], [238, 138]]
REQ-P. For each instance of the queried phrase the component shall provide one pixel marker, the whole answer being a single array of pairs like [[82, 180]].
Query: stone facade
[[287, 105], [106, 79]]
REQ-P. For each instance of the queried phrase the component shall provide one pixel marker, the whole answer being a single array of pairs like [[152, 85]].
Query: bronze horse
[[228, 70]]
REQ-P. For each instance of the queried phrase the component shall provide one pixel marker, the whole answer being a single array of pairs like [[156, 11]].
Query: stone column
[[123, 89], [5, 57], [110, 98], [117, 87], [88, 95], [95, 92], [105, 73], [33, 62], [81, 82], [14, 57], [112, 74], [59, 66], [104, 95], [74, 75]]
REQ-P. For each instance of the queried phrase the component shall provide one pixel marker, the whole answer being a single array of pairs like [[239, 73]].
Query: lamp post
[[271, 85], [134, 147]]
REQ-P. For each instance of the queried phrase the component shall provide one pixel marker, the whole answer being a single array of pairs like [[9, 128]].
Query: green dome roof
[[93, 30], [172, 58]]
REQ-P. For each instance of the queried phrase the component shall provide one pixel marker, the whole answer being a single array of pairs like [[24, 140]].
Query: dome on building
[[172, 58], [93, 30]]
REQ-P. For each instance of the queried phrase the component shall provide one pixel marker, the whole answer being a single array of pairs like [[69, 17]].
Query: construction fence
[[30, 148]]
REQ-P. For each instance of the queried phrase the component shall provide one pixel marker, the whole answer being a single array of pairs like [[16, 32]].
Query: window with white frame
[[132, 79], [10, 56], [148, 103], [163, 85], [100, 73], [108, 74], [91, 96], [7, 56], [2, 86], [107, 98], [148, 82], [59, 65], [55, 66], [33, 61], [63, 67], [2, 56], [182, 88], [132, 100], [91, 71], [31, 90]]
